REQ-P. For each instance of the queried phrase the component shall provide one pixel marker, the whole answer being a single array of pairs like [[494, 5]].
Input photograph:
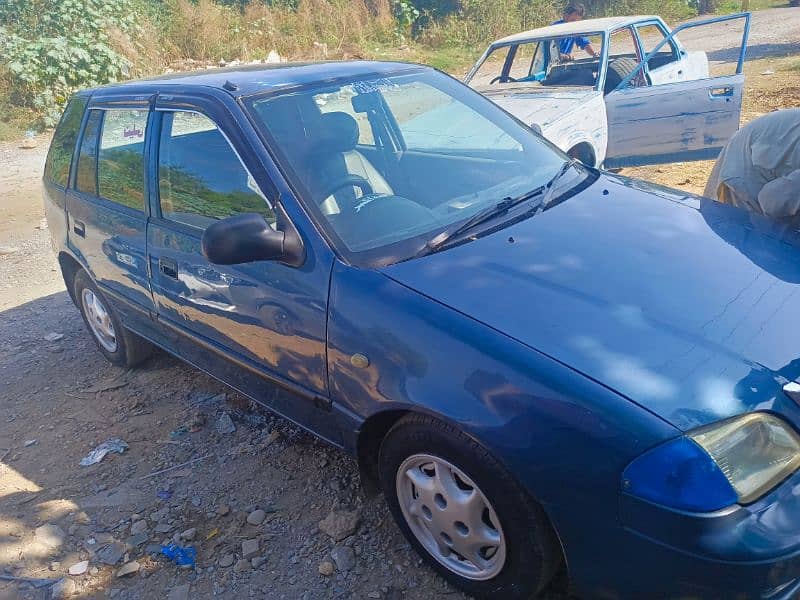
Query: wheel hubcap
[[99, 320], [451, 517]]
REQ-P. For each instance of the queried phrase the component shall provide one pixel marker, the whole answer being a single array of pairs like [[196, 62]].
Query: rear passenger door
[[106, 209], [265, 317]]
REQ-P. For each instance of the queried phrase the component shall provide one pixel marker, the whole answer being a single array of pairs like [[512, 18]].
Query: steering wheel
[[349, 181], [502, 79]]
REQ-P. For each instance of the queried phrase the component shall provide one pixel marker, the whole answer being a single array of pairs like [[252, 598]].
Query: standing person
[[573, 12], [759, 168]]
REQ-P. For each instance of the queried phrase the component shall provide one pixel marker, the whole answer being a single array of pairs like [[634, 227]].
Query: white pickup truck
[[643, 99]]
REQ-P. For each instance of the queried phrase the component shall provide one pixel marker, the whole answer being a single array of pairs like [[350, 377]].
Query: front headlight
[[738, 460], [755, 452]]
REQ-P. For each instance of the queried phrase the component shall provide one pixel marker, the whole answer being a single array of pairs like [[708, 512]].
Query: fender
[[523, 404]]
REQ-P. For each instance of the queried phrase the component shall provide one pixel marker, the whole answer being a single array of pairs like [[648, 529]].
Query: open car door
[[674, 121]]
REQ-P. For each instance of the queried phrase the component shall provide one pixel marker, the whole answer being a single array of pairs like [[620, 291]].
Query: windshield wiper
[[495, 210], [551, 186]]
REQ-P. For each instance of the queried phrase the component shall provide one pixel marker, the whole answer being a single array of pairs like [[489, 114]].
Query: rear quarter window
[[59, 157]]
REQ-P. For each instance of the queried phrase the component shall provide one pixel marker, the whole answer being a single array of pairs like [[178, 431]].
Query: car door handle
[[721, 92], [168, 267], [79, 228]]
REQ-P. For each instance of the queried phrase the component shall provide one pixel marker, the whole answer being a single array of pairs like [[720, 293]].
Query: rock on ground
[[249, 548], [128, 569], [139, 527], [62, 589], [340, 524], [111, 554], [344, 557], [242, 565], [326, 568], [50, 536], [79, 568], [226, 561], [256, 517], [225, 424]]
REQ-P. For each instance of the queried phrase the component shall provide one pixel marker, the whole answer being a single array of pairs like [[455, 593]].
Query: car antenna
[[230, 86]]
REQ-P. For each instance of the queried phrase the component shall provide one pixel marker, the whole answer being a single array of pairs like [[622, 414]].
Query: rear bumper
[[743, 552]]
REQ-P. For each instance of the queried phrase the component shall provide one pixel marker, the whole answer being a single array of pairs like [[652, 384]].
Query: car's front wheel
[[462, 511], [120, 346]]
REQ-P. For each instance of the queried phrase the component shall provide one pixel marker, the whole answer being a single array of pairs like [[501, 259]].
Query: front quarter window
[[385, 164]]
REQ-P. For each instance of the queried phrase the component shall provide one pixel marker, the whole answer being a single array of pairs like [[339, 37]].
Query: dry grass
[[481, 21], [319, 28], [206, 31], [202, 30]]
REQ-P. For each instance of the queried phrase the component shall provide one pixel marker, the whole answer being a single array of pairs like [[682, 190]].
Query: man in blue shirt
[[573, 12]]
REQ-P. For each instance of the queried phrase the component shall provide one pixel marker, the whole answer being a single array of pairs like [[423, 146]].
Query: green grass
[[727, 7], [453, 59]]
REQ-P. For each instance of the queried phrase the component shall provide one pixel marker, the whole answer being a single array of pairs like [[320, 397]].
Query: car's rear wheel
[[117, 344], [463, 513]]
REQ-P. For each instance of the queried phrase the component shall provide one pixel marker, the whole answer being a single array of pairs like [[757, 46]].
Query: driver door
[[674, 121], [250, 324]]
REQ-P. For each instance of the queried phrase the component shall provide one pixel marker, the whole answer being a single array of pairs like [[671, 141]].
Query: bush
[[52, 47]]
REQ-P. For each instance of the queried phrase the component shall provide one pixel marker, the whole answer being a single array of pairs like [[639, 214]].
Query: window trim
[[156, 159], [78, 97], [676, 55], [77, 157], [108, 202]]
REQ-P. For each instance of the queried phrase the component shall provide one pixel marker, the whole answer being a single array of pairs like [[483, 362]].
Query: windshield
[[385, 164], [571, 61]]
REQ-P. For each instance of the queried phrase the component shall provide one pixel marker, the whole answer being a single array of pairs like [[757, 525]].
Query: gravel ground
[[270, 511], [200, 465]]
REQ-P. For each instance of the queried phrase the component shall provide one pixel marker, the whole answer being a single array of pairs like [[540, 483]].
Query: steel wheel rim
[[99, 320], [451, 517]]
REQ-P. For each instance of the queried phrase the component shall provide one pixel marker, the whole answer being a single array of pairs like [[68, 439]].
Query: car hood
[[538, 107], [686, 306]]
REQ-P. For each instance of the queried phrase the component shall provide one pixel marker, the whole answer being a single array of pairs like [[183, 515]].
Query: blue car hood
[[688, 307]]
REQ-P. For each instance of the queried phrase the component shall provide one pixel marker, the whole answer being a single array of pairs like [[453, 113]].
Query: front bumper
[[740, 553]]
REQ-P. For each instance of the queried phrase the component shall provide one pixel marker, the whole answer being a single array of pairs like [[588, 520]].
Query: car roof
[[253, 78], [605, 24]]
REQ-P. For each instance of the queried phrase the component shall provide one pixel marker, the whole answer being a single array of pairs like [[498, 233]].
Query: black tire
[[618, 69], [130, 349], [532, 552]]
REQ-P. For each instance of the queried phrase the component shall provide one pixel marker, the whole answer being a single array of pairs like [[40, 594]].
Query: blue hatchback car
[[542, 366]]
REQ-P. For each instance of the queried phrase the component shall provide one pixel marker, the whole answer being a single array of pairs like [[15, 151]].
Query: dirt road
[[184, 472], [773, 32]]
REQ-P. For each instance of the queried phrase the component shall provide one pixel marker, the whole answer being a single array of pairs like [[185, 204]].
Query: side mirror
[[241, 239]]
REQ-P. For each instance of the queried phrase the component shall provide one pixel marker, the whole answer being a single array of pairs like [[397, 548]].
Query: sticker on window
[[132, 131], [374, 85]]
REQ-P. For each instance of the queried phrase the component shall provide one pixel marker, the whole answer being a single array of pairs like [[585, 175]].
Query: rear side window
[[86, 178], [200, 177], [59, 157], [120, 163]]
